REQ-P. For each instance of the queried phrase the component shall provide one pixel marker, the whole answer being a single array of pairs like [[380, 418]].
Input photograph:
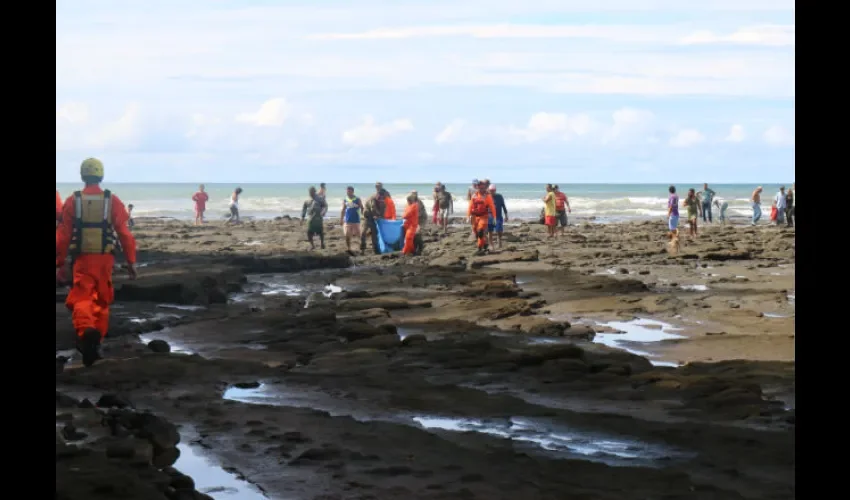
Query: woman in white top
[[234, 206]]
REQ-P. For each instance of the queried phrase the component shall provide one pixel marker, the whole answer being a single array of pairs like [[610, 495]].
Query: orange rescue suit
[[411, 225], [481, 208], [389, 211], [58, 206], [92, 291]]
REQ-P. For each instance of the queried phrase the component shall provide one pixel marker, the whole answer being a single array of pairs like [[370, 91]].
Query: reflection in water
[[640, 330], [213, 480]]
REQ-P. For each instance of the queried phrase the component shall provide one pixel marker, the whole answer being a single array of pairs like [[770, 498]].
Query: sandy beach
[[594, 366]]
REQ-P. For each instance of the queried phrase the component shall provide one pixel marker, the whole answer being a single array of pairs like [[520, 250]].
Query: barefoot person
[[130, 222], [373, 210], [781, 204], [707, 195], [447, 208], [549, 211], [91, 219], [497, 224], [234, 207], [756, 201], [349, 218], [469, 194], [789, 206], [314, 207], [562, 206], [694, 209], [673, 213], [435, 208], [722, 205], [200, 198], [480, 210]]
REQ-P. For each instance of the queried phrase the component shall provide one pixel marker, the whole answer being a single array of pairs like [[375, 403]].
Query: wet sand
[[594, 366]]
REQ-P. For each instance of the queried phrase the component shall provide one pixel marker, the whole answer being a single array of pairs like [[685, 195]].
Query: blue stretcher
[[390, 236]]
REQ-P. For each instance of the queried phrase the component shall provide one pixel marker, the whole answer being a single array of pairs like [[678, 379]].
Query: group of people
[[700, 203], [783, 209]]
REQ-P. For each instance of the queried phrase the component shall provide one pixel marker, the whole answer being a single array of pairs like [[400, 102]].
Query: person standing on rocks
[[781, 204], [314, 207], [789, 206], [58, 208], [323, 194], [708, 195], [562, 206], [200, 198], [756, 201], [373, 210], [418, 241], [497, 224], [91, 219], [435, 209], [234, 207], [389, 204], [349, 218], [410, 226], [480, 210], [549, 211], [469, 194], [694, 209], [446, 202], [673, 213]]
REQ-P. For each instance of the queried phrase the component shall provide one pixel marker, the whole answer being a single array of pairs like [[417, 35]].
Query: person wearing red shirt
[[562, 206], [90, 220], [200, 198]]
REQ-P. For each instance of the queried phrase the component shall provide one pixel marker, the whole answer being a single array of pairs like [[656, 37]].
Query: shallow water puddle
[[774, 315], [603, 448], [638, 331], [154, 317], [181, 307], [552, 438], [211, 479], [694, 288]]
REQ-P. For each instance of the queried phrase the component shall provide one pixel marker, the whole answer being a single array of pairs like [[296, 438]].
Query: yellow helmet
[[92, 167]]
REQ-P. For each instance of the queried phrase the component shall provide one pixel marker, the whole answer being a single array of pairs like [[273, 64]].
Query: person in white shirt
[[779, 200], [722, 205]]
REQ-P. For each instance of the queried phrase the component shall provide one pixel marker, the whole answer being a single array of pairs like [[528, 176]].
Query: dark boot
[[89, 346]]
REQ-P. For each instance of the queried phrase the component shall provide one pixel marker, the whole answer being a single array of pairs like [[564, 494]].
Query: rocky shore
[[594, 366]]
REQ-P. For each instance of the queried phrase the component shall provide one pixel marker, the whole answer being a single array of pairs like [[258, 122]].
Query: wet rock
[[489, 260], [189, 287], [413, 339], [165, 457], [722, 255], [504, 289], [159, 346], [389, 329], [353, 331], [71, 433], [246, 385], [65, 401], [368, 314], [289, 263], [387, 303], [325, 453], [550, 328], [384, 341], [579, 332], [113, 401], [182, 482]]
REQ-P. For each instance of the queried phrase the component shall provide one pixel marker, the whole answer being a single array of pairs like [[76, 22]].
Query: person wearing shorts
[[550, 218], [562, 206], [349, 218], [497, 225], [314, 207], [200, 198], [673, 212]]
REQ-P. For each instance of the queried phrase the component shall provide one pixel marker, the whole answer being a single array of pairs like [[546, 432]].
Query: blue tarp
[[389, 236]]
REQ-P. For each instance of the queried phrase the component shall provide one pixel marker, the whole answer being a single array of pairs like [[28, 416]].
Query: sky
[[617, 91]]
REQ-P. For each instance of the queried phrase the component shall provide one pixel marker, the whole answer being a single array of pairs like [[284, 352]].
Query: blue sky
[[304, 90]]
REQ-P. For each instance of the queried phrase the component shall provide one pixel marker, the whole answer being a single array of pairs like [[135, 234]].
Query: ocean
[[601, 202]]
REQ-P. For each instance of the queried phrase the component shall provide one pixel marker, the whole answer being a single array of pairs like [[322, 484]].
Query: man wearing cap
[[496, 225], [91, 219], [373, 209]]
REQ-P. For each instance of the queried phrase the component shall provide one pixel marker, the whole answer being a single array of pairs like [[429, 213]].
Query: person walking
[[200, 198], [789, 206], [549, 211], [234, 207], [755, 199], [349, 217], [562, 206]]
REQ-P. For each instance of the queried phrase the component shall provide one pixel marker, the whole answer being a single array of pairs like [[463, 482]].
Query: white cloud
[[272, 113], [451, 132], [629, 124], [73, 112], [736, 134], [778, 136], [687, 138], [603, 32], [369, 133], [770, 35], [561, 126]]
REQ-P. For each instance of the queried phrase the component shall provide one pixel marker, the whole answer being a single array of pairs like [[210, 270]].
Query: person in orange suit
[[481, 208], [410, 225], [91, 219], [389, 205], [58, 208]]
